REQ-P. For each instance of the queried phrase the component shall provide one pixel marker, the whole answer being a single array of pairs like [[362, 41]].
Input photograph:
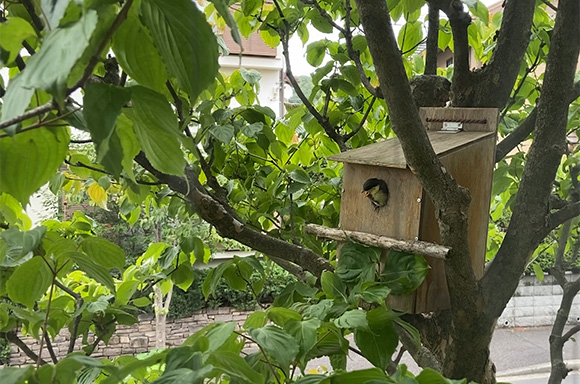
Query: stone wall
[[137, 338], [536, 303]]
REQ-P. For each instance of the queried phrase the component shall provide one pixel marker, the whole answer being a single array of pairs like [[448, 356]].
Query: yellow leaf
[[97, 194]]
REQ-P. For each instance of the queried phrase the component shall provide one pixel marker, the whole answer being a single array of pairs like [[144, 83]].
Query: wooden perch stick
[[422, 247]]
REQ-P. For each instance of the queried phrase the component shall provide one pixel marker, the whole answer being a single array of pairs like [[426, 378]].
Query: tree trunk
[[161, 310]]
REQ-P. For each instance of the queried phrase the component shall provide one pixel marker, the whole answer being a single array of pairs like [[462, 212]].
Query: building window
[[449, 62]]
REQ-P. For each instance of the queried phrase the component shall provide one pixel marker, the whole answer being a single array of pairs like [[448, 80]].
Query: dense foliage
[[139, 80]]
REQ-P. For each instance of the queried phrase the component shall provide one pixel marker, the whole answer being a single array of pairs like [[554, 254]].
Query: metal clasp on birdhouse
[[451, 127]]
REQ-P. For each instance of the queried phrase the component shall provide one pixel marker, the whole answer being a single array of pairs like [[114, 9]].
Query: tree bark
[[210, 210], [530, 219], [432, 41], [421, 247]]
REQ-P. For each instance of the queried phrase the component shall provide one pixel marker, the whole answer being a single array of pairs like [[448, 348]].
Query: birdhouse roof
[[389, 153]]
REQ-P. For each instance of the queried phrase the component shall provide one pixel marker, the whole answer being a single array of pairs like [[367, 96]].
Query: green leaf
[[319, 22], [224, 133], [129, 143], [315, 53], [157, 130], [185, 41], [299, 175], [137, 55], [312, 379], [281, 315], [357, 263], [125, 291], [100, 304], [141, 302], [16, 100], [404, 272], [222, 6], [103, 252], [183, 276], [12, 33], [251, 76], [236, 367], [29, 282], [256, 319], [167, 257], [49, 68], [304, 332], [429, 376], [378, 343], [410, 6], [333, 286], [353, 319], [53, 10], [19, 245], [182, 375], [102, 105], [278, 343], [95, 271], [253, 130], [374, 375], [250, 6], [219, 334], [56, 182], [39, 152], [479, 10], [14, 375], [410, 36]]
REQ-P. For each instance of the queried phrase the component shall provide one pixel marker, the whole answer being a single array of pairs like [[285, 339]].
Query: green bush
[[186, 303]]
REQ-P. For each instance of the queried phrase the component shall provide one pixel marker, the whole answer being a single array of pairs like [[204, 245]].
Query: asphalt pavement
[[521, 356]]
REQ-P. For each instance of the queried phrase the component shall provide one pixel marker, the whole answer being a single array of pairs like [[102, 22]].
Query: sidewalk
[[514, 351], [519, 351]]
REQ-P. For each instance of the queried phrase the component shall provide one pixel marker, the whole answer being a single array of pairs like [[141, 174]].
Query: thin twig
[[45, 324], [76, 322], [41, 124], [355, 55], [362, 122], [29, 114]]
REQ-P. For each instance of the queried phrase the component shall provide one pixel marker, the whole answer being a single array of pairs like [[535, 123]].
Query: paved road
[[540, 378], [512, 350]]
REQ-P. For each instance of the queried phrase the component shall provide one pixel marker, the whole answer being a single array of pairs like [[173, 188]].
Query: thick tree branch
[[12, 337], [524, 129], [459, 20], [555, 219], [228, 226], [529, 225], [516, 137], [495, 81], [432, 41]]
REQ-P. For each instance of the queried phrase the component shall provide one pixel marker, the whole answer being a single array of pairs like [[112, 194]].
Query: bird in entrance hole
[[377, 192]]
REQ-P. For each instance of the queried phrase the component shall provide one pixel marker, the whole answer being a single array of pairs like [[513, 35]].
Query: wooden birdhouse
[[464, 139]]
